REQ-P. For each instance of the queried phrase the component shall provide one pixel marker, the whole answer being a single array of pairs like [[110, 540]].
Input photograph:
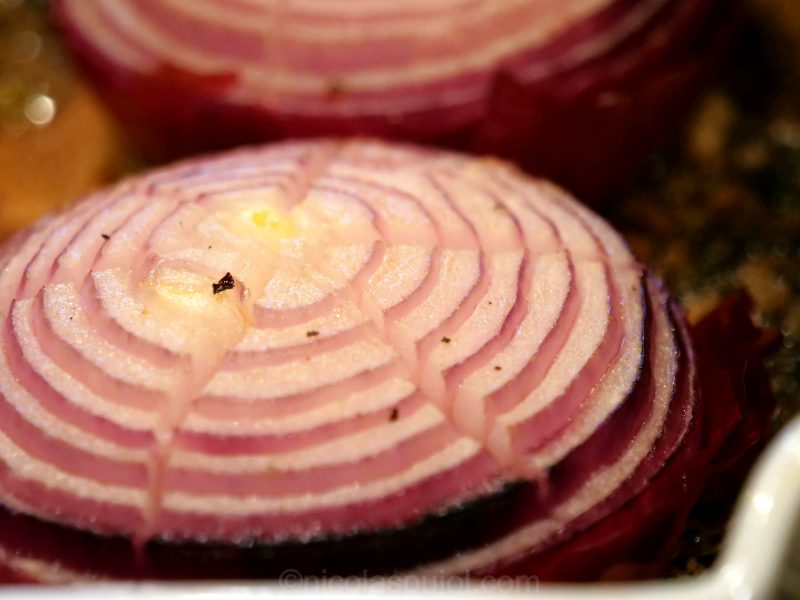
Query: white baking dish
[[753, 554]]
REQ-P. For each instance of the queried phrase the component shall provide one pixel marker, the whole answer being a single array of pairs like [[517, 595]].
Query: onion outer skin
[[730, 428]]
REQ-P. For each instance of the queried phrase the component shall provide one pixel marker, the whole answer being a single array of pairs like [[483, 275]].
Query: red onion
[[344, 357], [577, 90]]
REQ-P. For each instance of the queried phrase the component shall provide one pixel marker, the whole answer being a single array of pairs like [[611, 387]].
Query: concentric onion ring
[[323, 353], [542, 81]]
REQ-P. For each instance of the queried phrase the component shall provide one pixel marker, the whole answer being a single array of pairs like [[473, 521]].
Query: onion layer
[[339, 357], [575, 90]]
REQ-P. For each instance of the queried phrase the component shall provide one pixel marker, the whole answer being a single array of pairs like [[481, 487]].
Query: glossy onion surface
[[331, 356]]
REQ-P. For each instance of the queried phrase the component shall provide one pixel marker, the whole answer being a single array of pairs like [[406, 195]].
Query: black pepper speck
[[226, 283]]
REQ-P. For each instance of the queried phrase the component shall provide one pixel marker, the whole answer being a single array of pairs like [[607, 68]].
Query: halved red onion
[[340, 357], [577, 90]]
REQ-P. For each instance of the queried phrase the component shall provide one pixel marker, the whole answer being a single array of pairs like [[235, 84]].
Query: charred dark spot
[[394, 414], [446, 340], [428, 538], [312, 333], [105, 236], [336, 89], [226, 283]]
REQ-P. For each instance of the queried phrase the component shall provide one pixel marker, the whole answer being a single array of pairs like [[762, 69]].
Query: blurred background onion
[[572, 90]]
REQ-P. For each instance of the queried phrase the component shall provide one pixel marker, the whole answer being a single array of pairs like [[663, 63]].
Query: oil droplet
[[40, 110], [272, 221]]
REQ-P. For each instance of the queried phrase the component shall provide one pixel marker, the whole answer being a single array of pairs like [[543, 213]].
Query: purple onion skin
[[732, 424], [587, 130]]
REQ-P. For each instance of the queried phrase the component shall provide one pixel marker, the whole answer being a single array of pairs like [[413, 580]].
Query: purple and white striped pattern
[[408, 330]]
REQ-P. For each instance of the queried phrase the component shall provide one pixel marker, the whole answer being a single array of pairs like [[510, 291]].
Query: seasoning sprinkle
[[498, 368], [105, 236], [446, 340], [312, 333], [393, 416], [335, 89], [226, 283]]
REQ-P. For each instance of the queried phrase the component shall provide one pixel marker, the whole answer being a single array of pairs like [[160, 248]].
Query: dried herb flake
[[226, 283]]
